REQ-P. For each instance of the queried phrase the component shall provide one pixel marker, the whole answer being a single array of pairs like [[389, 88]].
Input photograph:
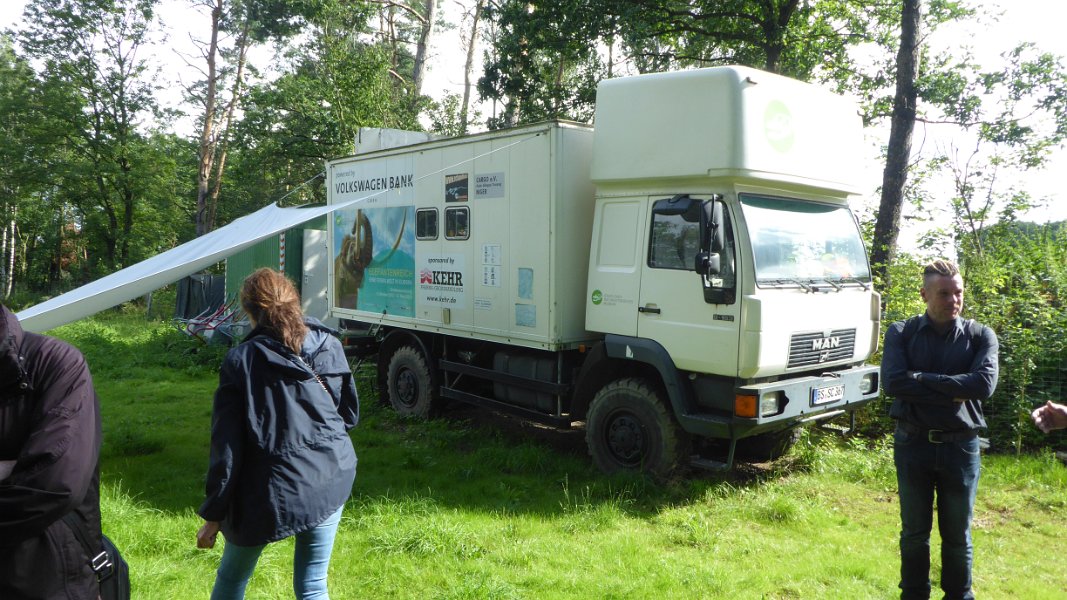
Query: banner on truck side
[[374, 244]]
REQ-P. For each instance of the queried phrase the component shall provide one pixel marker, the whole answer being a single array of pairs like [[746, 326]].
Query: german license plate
[[827, 395]]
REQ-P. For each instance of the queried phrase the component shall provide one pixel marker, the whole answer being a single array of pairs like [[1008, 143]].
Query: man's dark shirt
[[962, 363]]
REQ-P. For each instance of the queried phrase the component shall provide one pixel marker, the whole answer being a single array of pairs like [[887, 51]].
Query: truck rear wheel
[[410, 383], [628, 428]]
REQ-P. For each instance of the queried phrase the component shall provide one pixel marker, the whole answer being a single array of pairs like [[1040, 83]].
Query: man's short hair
[[940, 268]]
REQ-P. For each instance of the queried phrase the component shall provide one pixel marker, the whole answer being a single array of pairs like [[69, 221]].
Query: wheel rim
[[626, 439], [407, 388]]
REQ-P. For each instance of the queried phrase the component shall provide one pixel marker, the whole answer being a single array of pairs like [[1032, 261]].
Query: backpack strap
[[99, 560]]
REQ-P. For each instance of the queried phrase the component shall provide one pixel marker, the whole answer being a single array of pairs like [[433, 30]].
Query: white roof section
[[372, 139], [168, 267], [735, 122]]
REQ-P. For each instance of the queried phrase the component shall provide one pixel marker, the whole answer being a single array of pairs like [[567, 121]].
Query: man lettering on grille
[[938, 367]]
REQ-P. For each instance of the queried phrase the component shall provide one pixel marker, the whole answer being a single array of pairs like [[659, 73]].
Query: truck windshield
[[795, 242]]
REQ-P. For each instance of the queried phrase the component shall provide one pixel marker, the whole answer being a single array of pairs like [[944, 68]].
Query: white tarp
[[168, 267]]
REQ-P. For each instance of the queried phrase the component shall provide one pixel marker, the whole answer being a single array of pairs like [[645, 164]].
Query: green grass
[[473, 507]]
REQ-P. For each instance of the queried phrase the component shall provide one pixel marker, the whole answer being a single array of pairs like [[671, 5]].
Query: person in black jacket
[[938, 367], [49, 451], [281, 462]]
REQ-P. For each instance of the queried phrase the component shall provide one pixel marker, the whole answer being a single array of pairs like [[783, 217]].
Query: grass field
[[472, 506]]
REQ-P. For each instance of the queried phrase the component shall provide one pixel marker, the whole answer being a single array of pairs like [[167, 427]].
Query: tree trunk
[[7, 248], [468, 66], [775, 23], [11, 257], [222, 145], [55, 270], [898, 153], [423, 47], [129, 207], [388, 28], [207, 133]]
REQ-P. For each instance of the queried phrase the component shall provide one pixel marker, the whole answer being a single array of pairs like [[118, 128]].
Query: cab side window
[[696, 235], [675, 240]]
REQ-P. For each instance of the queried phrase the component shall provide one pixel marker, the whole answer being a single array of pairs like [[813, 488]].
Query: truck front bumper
[[782, 404]]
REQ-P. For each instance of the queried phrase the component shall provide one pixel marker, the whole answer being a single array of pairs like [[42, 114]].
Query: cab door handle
[[649, 309]]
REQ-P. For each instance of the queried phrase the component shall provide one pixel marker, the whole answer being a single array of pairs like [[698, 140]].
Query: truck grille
[[816, 348]]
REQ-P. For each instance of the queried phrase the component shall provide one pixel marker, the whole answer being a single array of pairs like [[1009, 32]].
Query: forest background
[[113, 148]]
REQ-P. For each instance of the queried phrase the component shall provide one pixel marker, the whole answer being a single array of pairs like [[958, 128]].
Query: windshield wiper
[[837, 288], [807, 287], [861, 282]]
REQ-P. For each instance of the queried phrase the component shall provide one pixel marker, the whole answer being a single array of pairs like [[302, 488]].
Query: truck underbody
[[623, 404]]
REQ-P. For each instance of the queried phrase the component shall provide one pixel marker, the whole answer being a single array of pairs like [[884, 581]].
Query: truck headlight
[[869, 383], [770, 404]]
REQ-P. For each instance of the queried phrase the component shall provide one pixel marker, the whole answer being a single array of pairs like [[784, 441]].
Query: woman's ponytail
[[271, 300]]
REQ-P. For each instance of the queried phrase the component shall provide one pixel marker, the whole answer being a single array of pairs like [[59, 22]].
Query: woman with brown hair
[[282, 463]]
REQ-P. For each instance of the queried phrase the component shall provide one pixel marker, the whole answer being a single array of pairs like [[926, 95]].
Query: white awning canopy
[[168, 267]]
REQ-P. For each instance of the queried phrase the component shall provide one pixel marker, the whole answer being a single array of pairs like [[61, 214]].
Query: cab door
[[695, 316], [615, 259]]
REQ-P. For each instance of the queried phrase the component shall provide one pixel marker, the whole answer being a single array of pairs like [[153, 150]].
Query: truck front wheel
[[628, 428], [410, 383]]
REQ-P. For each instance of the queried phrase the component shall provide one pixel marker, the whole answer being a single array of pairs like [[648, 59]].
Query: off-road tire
[[410, 384], [629, 428]]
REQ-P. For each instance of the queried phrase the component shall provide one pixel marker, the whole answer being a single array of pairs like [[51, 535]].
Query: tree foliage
[[335, 81], [89, 182], [547, 57], [99, 93]]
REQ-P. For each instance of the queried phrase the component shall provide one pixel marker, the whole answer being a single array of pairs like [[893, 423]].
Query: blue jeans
[[949, 469], [310, 562]]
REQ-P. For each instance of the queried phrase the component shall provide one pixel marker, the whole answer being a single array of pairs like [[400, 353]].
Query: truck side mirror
[[708, 264], [716, 231]]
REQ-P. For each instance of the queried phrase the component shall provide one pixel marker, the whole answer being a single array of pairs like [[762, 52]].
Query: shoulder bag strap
[[99, 560], [313, 372]]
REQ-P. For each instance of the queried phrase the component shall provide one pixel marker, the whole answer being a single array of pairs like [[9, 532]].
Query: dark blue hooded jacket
[[281, 458]]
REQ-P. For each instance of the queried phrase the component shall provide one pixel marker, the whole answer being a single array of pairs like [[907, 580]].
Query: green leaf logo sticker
[[598, 297], [778, 126]]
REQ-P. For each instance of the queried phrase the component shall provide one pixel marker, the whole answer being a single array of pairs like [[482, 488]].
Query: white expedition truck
[[687, 279]]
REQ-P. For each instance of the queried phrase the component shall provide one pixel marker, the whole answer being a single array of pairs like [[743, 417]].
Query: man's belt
[[939, 436]]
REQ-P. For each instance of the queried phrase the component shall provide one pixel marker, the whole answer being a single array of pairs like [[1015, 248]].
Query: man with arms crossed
[[938, 367]]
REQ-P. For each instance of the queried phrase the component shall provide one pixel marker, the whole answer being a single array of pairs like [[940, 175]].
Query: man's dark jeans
[[949, 469]]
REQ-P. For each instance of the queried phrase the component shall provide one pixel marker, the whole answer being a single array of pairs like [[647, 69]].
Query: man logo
[[826, 343]]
